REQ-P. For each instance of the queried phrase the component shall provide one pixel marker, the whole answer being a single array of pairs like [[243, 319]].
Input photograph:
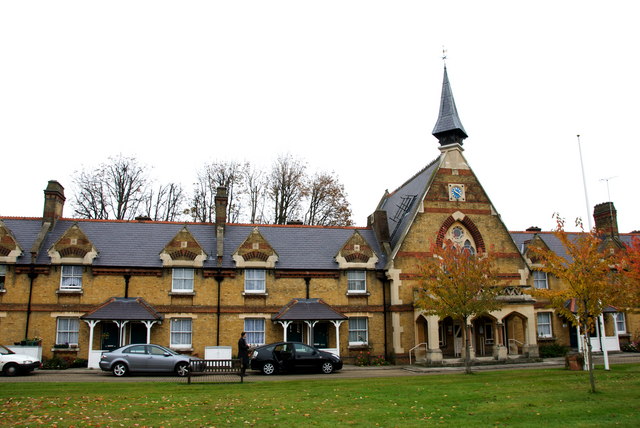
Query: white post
[[337, 323], [149, 324], [92, 324], [603, 342], [285, 326], [310, 325]]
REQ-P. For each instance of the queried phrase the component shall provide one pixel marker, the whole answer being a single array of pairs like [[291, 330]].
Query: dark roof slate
[[448, 119], [307, 309], [402, 203], [121, 308], [522, 238], [139, 244]]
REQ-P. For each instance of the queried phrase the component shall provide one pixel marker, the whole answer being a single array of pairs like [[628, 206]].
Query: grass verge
[[551, 397]]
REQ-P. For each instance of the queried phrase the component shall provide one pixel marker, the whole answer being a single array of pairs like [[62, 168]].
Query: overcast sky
[[349, 86]]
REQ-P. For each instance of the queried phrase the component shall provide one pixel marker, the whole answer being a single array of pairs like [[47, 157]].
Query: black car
[[293, 356]]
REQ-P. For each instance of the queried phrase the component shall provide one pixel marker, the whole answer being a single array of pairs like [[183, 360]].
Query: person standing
[[243, 353]]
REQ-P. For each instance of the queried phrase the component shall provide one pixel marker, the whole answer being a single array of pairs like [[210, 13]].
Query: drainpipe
[[127, 277], [32, 276], [384, 314], [307, 282], [219, 278]]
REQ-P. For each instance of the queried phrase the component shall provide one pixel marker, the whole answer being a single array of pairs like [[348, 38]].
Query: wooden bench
[[204, 369]]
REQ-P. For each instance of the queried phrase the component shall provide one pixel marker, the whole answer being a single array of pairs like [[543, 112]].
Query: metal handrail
[[415, 347], [517, 342]]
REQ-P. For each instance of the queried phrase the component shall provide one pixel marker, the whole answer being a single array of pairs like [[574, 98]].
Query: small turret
[[448, 129]]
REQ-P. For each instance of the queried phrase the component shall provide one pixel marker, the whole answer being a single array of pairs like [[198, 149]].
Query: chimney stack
[[606, 219], [378, 222], [221, 201], [53, 202]]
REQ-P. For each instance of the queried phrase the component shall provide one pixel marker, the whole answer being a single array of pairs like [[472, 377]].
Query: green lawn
[[551, 397]]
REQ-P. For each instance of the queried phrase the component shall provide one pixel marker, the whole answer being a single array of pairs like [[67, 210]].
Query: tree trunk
[[467, 348], [592, 379]]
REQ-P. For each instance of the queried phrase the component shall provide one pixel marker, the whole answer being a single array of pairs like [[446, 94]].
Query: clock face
[[456, 192]]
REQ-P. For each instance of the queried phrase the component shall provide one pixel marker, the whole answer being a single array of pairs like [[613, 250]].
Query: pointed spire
[[448, 129]]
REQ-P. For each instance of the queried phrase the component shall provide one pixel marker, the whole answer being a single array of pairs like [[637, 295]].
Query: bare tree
[[255, 192], [327, 203], [114, 190], [165, 203], [286, 188], [228, 174]]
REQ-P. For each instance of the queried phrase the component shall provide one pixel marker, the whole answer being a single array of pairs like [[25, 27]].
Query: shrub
[[366, 359], [55, 363], [552, 350], [79, 363], [362, 359]]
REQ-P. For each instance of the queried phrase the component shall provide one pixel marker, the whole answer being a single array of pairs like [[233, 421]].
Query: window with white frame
[[358, 331], [71, 278], [181, 329], [544, 325], [3, 275], [357, 281], [254, 327], [182, 280], [255, 281], [67, 331], [540, 280], [621, 324]]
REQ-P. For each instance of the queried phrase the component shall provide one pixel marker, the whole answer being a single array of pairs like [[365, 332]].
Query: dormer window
[[357, 281], [540, 280], [182, 280], [71, 278], [255, 281]]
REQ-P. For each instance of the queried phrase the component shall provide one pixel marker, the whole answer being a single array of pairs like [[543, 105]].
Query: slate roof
[[448, 119], [402, 204], [307, 309], [121, 308], [139, 244], [554, 244]]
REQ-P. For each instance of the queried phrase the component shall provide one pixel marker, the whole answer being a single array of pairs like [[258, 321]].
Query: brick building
[[83, 286]]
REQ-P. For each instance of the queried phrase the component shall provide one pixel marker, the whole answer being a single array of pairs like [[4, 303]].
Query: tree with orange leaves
[[459, 284], [589, 272], [631, 271]]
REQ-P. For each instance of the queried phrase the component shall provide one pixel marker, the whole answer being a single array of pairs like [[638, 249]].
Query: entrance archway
[[515, 333]]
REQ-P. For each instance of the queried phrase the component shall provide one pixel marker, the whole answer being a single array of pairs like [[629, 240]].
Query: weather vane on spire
[[444, 55]]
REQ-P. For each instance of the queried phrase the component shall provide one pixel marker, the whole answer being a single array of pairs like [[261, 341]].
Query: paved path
[[348, 372]]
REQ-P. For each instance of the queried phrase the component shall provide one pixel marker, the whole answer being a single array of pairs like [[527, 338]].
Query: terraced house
[[83, 286]]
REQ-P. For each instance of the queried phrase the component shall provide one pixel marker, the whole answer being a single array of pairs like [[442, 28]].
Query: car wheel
[[268, 368], [120, 369], [10, 370], [182, 369], [327, 367]]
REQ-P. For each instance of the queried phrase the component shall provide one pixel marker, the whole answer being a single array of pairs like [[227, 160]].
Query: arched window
[[461, 237]]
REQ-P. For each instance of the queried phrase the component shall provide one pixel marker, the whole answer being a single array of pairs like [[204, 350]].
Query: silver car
[[144, 358]]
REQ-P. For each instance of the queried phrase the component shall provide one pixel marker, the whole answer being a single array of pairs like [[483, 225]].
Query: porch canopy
[[310, 311], [122, 310], [600, 342], [572, 305]]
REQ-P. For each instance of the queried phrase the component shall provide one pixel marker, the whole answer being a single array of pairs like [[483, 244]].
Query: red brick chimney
[[606, 219], [53, 202]]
